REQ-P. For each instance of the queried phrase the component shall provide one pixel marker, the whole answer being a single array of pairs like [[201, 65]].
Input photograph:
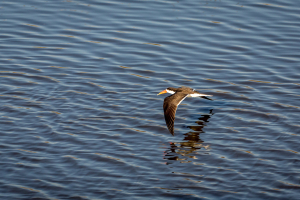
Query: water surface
[[80, 118]]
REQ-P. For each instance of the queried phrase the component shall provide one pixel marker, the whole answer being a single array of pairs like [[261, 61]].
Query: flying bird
[[171, 102]]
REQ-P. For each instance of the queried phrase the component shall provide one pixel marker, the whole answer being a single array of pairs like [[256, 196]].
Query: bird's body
[[171, 102]]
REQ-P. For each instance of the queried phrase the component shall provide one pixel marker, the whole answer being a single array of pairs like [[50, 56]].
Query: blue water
[[80, 117]]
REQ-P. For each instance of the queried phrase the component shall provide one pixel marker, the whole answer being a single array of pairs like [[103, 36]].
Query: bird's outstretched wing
[[170, 106]]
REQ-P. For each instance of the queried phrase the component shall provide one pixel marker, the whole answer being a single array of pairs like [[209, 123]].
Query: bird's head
[[170, 90]]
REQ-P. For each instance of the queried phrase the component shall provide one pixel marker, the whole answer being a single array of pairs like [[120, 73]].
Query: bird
[[171, 102]]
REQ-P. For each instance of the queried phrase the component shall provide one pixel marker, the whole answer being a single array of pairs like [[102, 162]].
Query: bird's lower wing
[[170, 106]]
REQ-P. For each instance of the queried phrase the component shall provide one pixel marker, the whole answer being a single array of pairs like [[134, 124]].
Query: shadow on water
[[180, 151]]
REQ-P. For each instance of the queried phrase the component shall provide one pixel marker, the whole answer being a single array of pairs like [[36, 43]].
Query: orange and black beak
[[162, 92]]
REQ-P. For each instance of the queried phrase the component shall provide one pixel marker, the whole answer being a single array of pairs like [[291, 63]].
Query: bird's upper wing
[[170, 106]]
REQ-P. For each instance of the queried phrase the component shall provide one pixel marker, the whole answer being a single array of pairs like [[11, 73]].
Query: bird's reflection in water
[[180, 151]]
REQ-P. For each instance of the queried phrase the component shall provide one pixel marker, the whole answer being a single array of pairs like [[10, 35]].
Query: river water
[[80, 117]]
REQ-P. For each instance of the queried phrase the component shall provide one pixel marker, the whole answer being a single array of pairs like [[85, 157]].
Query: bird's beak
[[162, 92]]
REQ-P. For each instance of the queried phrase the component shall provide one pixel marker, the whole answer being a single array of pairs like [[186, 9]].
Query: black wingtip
[[171, 131], [205, 97]]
